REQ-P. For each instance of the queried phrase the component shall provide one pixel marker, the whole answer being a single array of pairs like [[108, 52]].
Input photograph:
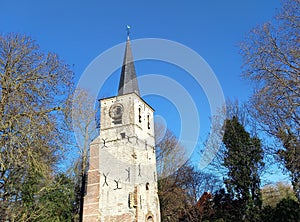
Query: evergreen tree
[[287, 210], [243, 160]]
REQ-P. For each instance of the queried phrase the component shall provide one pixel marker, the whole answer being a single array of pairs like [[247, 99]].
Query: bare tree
[[180, 184], [274, 193], [169, 153], [83, 126], [33, 90], [271, 54]]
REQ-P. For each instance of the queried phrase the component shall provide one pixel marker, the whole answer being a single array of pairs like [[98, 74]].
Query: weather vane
[[128, 30]]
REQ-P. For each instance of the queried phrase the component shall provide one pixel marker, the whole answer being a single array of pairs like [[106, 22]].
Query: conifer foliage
[[243, 159]]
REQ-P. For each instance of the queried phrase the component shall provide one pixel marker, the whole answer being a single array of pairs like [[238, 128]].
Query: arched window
[[147, 186]]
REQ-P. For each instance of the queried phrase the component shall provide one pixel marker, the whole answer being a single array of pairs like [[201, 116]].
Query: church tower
[[122, 177]]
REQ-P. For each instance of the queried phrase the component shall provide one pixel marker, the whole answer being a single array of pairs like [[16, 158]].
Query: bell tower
[[122, 176]]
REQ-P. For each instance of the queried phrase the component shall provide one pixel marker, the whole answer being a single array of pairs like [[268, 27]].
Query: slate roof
[[128, 81]]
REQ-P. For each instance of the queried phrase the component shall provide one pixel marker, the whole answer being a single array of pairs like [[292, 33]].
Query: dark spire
[[128, 82]]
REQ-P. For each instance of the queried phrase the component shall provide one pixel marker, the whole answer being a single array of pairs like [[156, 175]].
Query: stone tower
[[122, 178]]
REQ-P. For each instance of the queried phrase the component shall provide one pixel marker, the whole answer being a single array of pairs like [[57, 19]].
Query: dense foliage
[[243, 159]]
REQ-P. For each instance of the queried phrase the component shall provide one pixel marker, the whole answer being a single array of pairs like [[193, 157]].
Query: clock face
[[116, 111]]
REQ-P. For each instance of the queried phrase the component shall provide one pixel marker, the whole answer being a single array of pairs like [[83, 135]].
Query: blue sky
[[80, 30]]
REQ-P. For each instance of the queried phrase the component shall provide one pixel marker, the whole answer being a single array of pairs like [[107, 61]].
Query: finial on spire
[[128, 81], [128, 30]]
